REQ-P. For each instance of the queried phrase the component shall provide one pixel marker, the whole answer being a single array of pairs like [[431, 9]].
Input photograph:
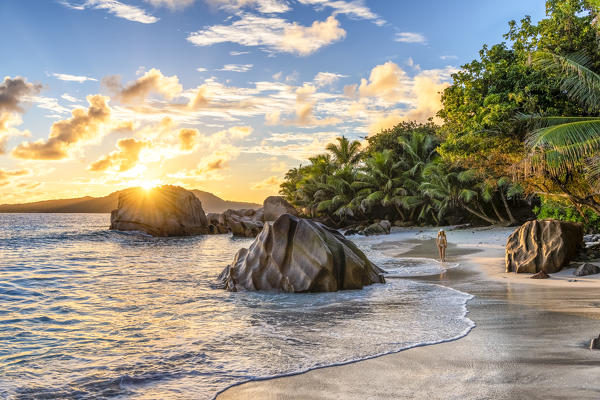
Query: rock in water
[[275, 206], [298, 255], [162, 211], [546, 245], [587, 269]]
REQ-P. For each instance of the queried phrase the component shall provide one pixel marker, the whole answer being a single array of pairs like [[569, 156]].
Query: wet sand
[[530, 341]]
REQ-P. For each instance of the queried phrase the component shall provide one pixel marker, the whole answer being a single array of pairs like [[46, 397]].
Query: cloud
[[263, 6], [354, 9], [70, 98], [304, 111], [326, 78], [8, 175], [73, 78], [220, 152], [83, 126], [425, 100], [13, 91], [118, 9], [448, 57], [385, 82], [153, 81], [270, 183], [410, 37], [236, 67], [238, 53], [188, 139], [276, 34], [172, 4], [123, 159]]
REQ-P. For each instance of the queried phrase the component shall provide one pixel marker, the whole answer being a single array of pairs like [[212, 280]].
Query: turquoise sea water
[[90, 313]]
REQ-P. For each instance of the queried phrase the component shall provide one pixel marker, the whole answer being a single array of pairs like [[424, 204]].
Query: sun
[[147, 186]]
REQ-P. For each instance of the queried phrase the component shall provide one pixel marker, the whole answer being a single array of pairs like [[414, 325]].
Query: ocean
[[90, 313]]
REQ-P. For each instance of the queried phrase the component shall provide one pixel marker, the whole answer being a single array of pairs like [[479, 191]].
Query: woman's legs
[[441, 250], [443, 253]]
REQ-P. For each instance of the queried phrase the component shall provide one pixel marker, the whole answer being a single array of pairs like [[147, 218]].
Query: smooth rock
[[378, 228], [299, 255], [546, 245], [162, 211], [275, 206], [587, 269]]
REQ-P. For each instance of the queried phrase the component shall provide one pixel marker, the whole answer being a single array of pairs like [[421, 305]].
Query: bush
[[564, 211]]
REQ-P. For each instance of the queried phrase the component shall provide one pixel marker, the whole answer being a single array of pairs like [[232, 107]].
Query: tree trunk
[[508, 212], [500, 217], [480, 215], [399, 211]]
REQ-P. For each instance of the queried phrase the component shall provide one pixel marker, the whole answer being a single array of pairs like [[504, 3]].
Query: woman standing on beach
[[442, 243]]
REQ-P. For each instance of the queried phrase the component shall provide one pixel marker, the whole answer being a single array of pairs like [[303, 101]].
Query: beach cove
[[531, 338]]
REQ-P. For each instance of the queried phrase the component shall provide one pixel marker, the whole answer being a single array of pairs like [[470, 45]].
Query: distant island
[[88, 204]]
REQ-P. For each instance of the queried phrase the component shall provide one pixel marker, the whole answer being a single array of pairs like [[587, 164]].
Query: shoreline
[[518, 324]]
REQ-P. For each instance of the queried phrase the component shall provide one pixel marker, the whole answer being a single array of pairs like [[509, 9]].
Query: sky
[[219, 95]]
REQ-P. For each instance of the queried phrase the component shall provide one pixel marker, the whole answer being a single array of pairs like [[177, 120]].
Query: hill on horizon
[[88, 204]]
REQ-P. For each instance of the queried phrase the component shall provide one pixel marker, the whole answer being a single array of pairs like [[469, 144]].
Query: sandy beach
[[531, 339]]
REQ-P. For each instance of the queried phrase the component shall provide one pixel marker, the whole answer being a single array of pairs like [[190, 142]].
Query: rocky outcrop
[[299, 255], [275, 206], [546, 245], [249, 222], [378, 228], [217, 224], [162, 211], [587, 269]]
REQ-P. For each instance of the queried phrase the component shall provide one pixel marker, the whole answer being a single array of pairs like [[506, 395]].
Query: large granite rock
[[162, 211], [546, 245], [299, 255], [275, 206]]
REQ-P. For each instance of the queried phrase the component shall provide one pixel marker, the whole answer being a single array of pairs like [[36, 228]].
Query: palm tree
[[418, 151], [563, 145], [345, 152], [380, 182]]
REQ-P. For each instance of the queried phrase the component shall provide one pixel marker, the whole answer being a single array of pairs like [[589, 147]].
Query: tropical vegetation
[[518, 133]]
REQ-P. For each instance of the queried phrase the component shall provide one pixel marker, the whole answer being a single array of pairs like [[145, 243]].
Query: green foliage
[[565, 211], [479, 161]]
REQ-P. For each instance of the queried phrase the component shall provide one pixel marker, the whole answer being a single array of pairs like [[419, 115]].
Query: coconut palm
[[345, 152], [380, 182], [564, 142], [568, 146]]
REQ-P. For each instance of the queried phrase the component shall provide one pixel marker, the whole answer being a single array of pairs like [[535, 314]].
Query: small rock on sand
[[540, 275]]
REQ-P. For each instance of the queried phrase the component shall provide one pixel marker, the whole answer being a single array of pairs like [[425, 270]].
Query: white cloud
[[238, 53], [73, 78], [200, 69], [448, 57], [263, 6], [354, 9], [275, 34], [68, 97], [327, 78], [236, 67], [410, 37], [118, 9], [172, 4]]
